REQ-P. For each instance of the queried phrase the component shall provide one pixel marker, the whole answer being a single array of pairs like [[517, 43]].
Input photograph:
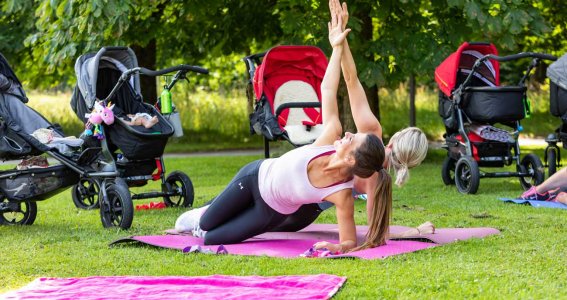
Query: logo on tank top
[[240, 185]]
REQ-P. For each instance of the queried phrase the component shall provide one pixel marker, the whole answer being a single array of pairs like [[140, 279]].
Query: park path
[[260, 152]]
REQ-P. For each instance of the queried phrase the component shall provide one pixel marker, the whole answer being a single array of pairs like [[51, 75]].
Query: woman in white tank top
[[265, 192]]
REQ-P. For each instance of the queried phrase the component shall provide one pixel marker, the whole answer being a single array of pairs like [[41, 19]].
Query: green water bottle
[[165, 99]]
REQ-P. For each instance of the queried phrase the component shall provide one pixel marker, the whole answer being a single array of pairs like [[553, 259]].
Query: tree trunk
[[147, 59], [412, 100], [373, 100], [345, 114], [363, 13]]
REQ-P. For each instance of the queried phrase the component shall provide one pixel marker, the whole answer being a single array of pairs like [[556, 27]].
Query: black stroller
[[134, 152], [557, 74], [20, 188], [285, 86], [471, 101]]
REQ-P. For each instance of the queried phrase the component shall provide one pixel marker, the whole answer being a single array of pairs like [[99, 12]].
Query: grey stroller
[[21, 188], [134, 152]]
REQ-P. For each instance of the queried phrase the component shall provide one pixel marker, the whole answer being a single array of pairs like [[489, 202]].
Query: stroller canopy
[[557, 72], [463, 60], [87, 67], [283, 64]]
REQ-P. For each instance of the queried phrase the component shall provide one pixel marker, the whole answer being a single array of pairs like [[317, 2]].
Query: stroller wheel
[[182, 187], [551, 161], [117, 209], [448, 171], [532, 165], [85, 194], [467, 175], [17, 213]]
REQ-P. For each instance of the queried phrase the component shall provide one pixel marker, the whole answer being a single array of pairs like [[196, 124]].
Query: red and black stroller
[[286, 84], [471, 101]]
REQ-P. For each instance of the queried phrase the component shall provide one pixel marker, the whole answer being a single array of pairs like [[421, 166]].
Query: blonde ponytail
[[408, 149]]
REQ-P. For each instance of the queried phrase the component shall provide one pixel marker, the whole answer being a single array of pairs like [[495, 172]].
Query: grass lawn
[[526, 261]]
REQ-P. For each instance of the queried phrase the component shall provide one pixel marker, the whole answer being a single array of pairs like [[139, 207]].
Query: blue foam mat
[[536, 203]]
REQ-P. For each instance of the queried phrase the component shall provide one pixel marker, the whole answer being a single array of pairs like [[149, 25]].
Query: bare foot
[[151, 122], [426, 228], [561, 198]]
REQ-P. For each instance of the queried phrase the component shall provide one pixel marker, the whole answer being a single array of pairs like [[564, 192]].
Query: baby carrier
[[557, 74], [285, 87], [21, 187], [111, 76], [471, 101]]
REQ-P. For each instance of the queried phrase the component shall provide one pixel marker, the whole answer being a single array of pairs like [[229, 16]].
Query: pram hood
[[87, 66], [463, 59], [17, 118], [282, 64], [557, 72]]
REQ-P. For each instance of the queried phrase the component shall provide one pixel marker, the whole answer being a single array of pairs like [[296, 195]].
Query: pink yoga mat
[[331, 232], [322, 286], [287, 248], [293, 244]]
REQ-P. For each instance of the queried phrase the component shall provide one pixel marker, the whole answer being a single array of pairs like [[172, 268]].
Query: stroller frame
[[557, 100], [460, 167]]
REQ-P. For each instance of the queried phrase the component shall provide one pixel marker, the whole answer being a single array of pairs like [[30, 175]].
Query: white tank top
[[284, 184]]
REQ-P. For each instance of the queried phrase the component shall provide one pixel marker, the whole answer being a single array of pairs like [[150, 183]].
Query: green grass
[[526, 261]]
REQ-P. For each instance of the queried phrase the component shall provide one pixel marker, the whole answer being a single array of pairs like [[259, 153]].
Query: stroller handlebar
[[521, 55], [149, 72], [252, 61], [180, 69], [536, 57]]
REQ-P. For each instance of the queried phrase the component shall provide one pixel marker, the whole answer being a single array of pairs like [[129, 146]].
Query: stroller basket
[[138, 142], [37, 183], [494, 104]]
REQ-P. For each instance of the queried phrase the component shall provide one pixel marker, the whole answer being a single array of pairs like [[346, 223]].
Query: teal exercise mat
[[536, 203]]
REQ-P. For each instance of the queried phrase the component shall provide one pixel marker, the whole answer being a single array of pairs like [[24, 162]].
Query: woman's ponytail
[[379, 222]]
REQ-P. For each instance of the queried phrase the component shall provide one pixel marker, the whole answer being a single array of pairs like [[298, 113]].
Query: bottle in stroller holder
[[471, 96], [168, 108]]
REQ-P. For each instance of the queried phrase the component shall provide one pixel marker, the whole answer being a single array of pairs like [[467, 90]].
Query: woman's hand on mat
[[330, 246], [336, 33], [426, 228]]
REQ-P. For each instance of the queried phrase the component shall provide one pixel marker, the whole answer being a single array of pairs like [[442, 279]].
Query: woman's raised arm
[[364, 119], [329, 86]]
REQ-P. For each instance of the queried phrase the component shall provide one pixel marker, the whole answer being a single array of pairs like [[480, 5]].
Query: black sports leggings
[[300, 219], [239, 212]]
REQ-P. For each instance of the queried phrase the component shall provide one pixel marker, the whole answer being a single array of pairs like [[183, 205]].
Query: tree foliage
[[408, 37]]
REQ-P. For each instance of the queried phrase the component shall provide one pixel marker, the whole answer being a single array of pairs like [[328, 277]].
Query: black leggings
[[300, 219], [239, 212]]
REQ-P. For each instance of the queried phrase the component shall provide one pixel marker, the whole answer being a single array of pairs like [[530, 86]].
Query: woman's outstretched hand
[[336, 8], [337, 34]]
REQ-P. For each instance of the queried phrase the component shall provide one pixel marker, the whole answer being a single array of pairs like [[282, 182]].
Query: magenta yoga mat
[[293, 244]]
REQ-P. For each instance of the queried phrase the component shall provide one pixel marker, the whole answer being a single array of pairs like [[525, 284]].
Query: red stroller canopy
[[285, 63], [463, 59]]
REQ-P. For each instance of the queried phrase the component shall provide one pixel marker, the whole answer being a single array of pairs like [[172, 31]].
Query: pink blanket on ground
[[322, 286]]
